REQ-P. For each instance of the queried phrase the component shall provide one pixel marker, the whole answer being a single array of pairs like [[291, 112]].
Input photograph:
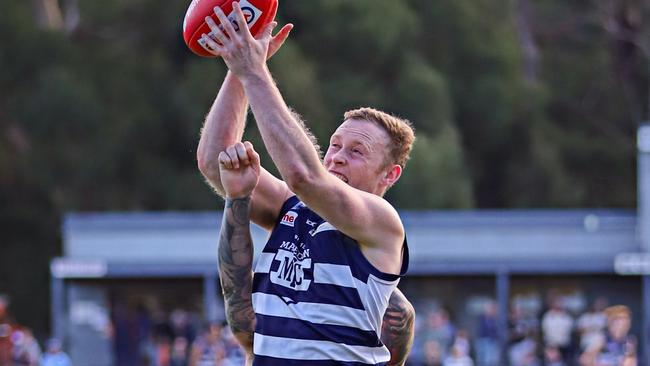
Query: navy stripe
[[272, 361], [300, 329], [318, 292]]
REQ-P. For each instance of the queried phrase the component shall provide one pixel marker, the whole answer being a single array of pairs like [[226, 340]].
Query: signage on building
[[632, 264], [75, 268]]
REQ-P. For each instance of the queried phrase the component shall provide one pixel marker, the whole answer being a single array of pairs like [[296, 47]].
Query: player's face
[[357, 153]]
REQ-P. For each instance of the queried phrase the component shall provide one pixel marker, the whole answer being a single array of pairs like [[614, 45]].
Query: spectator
[[591, 325], [487, 342], [179, 352], [433, 353], [619, 348], [26, 351], [208, 349], [553, 357], [235, 355], [521, 324], [439, 329], [524, 351], [54, 355], [557, 325], [6, 328], [459, 354]]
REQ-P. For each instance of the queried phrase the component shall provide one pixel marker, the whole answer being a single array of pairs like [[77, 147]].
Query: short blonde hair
[[400, 131], [618, 311]]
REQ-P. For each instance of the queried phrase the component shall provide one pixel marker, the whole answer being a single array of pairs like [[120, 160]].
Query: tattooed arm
[[397, 328], [239, 167], [235, 270]]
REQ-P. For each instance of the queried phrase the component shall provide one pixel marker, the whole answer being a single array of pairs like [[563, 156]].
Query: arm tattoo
[[398, 327], [235, 269]]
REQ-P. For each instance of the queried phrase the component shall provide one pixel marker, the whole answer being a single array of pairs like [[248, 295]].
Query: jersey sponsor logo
[[289, 218], [291, 273]]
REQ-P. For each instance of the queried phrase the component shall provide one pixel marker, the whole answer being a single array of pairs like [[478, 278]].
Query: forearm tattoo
[[398, 327], [235, 269]]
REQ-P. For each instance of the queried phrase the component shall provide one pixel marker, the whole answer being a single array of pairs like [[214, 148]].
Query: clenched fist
[[239, 166]]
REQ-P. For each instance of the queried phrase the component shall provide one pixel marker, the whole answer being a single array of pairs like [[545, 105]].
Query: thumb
[[253, 156]]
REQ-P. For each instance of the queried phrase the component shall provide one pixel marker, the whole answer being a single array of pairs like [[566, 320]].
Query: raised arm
[[224, 126], [295, 156], [240, 175], [397, 328]]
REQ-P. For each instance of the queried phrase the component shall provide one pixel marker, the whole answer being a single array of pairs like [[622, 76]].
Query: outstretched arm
[[223, 127], [295, 156], [398, 327], [224, 124]]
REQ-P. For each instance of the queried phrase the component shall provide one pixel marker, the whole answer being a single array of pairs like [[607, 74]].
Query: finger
[[268, 29], [224, 160], [283, 34], [232, 152], [215, 31], [253, 156], [241, 21], [225, 23], [241, 154], [211, 46]]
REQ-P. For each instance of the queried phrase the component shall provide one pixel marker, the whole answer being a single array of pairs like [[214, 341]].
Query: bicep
[[363, 216], [268, 197]]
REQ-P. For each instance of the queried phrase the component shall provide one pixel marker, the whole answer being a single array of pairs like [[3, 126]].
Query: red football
[[258, 13]]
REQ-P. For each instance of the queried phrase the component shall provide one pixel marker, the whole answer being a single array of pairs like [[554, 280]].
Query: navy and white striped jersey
[[317, 299]]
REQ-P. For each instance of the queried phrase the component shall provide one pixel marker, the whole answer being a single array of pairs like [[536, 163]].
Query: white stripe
[[273, 305], [304, 349], [333, 274], [264, 262], [325, 226], [378, 293]]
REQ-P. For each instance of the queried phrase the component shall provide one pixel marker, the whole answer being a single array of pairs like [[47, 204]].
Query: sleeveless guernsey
[[317, 299]]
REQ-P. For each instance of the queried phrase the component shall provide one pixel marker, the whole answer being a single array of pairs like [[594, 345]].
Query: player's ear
[[392, 174]]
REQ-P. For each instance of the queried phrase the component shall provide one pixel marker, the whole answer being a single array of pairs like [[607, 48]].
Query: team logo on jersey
[[294, 260], [289, 218]]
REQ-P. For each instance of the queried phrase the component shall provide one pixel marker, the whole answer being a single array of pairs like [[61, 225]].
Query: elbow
[[208, 167]]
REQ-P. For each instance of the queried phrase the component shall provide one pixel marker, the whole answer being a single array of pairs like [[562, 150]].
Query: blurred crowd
[[555, 335], [177, 338], [19, 347], [599, 336]]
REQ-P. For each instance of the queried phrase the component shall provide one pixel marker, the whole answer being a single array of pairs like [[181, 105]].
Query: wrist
[[257, 76], [242, 197]]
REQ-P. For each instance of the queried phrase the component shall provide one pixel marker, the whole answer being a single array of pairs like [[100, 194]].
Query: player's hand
[[239, 166], [244, 55]]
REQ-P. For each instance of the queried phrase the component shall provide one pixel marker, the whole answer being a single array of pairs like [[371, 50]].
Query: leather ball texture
[[258, 13]]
